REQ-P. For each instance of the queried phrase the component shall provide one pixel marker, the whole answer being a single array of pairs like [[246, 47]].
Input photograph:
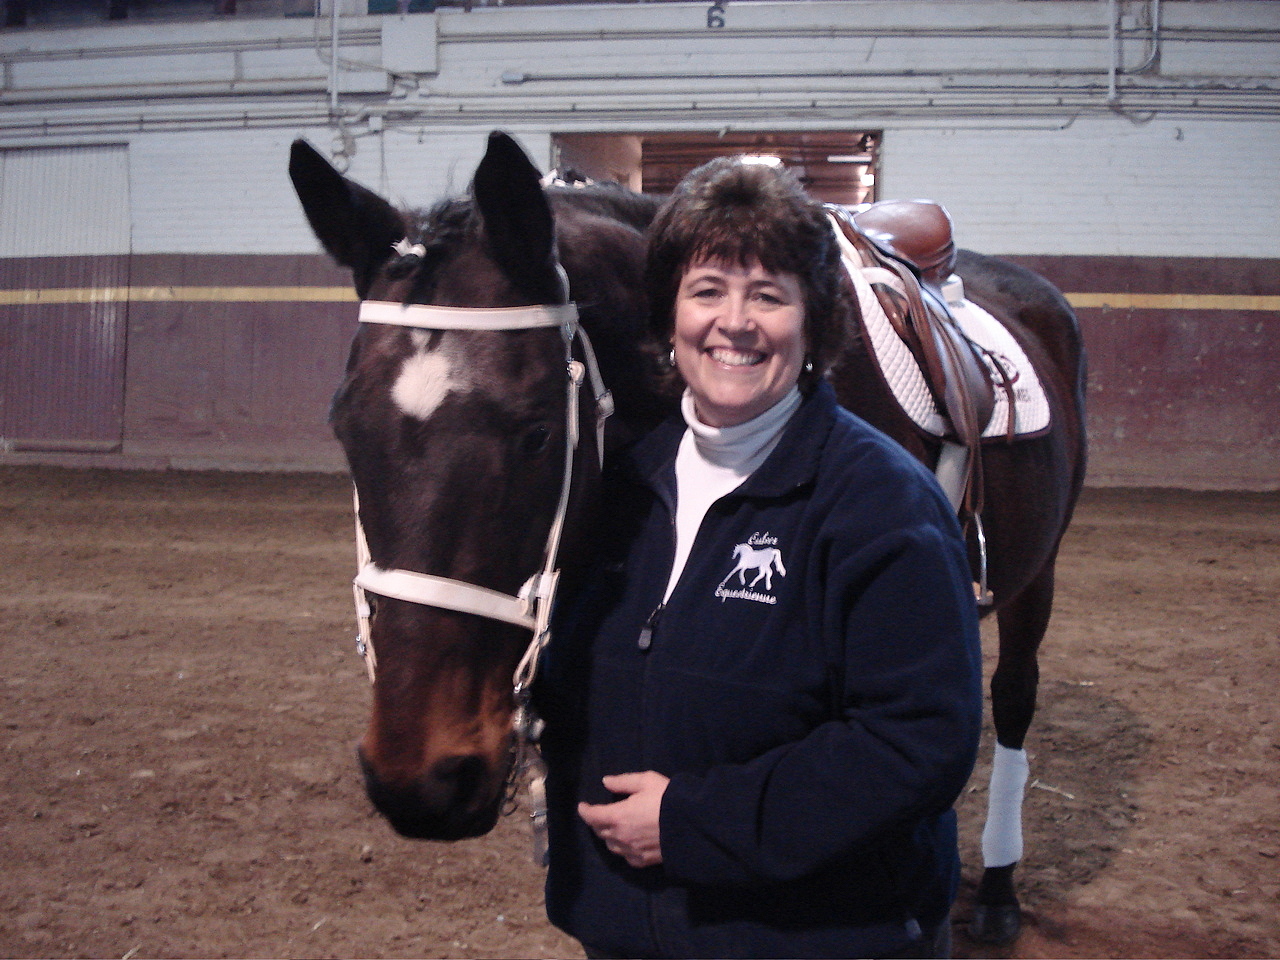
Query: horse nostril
[[460, 777]]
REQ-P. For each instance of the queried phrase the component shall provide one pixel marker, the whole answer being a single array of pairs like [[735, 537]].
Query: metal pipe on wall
[[334, 31], [1113, 37], [1116, 66], [1153, 55]]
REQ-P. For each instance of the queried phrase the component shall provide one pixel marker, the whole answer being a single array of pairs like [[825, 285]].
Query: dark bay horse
[[474, 455]]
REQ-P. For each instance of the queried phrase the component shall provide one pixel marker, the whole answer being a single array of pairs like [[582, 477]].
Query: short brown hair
[[737, 212]]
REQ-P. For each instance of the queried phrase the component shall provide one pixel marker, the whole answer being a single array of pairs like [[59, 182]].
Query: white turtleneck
[[714, 461]]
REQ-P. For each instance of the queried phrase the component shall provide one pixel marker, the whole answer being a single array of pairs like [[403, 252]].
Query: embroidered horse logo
[[762, 560]]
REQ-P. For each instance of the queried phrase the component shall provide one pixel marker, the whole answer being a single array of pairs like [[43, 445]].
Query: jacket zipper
[[650, 625]]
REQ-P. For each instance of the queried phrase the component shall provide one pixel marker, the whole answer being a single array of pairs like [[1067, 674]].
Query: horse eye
[[535, 440]]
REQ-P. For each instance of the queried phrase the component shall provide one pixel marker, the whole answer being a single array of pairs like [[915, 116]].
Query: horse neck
[[608, 200], [603, 250]]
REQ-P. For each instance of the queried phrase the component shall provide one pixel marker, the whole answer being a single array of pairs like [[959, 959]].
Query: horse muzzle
[[457, 797]]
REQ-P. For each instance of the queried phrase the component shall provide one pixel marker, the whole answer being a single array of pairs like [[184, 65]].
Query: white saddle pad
[[1030, 412]]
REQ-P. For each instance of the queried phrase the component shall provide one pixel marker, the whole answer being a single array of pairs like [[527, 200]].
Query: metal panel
[[64, 229], [64, 201]]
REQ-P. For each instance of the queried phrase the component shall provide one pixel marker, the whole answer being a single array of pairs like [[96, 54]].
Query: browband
[[467, 318]]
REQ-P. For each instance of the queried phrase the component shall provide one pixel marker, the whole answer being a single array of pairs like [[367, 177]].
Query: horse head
[[456, 436]]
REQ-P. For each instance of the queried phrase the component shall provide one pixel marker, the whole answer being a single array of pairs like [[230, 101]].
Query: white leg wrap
[[1002, 835]]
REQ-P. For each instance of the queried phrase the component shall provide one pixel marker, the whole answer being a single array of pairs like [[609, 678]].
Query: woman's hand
[[629, 827]]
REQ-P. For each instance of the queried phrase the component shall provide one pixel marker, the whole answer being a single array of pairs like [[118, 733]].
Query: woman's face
[[738, 338]]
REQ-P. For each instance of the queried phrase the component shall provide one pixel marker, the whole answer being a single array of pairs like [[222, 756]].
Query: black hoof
[[995, 922]]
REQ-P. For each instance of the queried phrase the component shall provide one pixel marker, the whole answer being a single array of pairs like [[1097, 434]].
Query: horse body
[[454, 442]]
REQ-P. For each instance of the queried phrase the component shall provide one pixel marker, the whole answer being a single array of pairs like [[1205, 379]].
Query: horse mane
[[444, 226], [436, 231]]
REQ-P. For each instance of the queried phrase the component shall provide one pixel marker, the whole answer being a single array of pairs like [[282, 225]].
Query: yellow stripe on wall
[[55, 295], [1173, 301]]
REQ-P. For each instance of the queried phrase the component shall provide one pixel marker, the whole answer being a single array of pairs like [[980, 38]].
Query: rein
[[531, 607]]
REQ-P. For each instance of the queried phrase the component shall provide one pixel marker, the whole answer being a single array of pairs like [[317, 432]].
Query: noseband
[[531, 608]]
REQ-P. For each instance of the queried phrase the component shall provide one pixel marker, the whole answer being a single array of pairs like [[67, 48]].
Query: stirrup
[[981, 593]]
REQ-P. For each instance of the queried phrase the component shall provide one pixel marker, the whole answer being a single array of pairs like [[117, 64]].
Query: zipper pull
[[646, 632]]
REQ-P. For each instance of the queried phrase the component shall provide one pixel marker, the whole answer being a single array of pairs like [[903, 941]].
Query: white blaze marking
[[424, 382]]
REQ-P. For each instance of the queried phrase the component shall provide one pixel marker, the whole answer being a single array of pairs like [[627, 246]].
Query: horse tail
[[777, 561]]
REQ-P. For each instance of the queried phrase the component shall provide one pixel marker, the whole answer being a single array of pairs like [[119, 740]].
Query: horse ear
[[517, 218], [354, 225]]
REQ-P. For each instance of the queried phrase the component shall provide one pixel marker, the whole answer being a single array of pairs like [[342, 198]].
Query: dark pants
[[935, 944]]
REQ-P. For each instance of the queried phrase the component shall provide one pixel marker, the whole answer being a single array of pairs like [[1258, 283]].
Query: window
[[40, 13], [834, 166]]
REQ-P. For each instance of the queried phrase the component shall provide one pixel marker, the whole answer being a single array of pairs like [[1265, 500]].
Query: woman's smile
[[737, 358]]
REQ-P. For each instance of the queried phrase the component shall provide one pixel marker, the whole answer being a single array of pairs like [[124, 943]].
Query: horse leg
[[1022, 622]]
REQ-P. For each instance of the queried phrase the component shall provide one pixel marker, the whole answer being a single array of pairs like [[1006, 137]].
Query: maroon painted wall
[[213, 376], [240, 380], [62, 363], [1184, 394]]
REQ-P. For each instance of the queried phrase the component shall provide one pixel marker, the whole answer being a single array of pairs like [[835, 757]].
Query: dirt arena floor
[[181, 702]]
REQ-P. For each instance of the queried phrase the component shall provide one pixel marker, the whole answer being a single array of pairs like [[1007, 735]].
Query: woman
[[763, 701]]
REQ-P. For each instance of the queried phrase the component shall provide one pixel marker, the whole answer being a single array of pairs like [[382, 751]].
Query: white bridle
[[531, 608]]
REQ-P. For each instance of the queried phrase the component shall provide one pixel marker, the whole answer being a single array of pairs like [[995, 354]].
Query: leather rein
[[531, 607]]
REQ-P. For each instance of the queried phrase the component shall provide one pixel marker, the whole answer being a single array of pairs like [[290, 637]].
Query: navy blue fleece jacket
[[811, 687]]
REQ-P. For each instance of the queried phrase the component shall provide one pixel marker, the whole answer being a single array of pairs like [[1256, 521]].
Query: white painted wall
[[416, 168], [1103, 186], [1003, 115], [219, 192], [229, 191]]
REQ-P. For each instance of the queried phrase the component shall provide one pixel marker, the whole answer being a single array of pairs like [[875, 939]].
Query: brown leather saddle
[[913, 240]]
